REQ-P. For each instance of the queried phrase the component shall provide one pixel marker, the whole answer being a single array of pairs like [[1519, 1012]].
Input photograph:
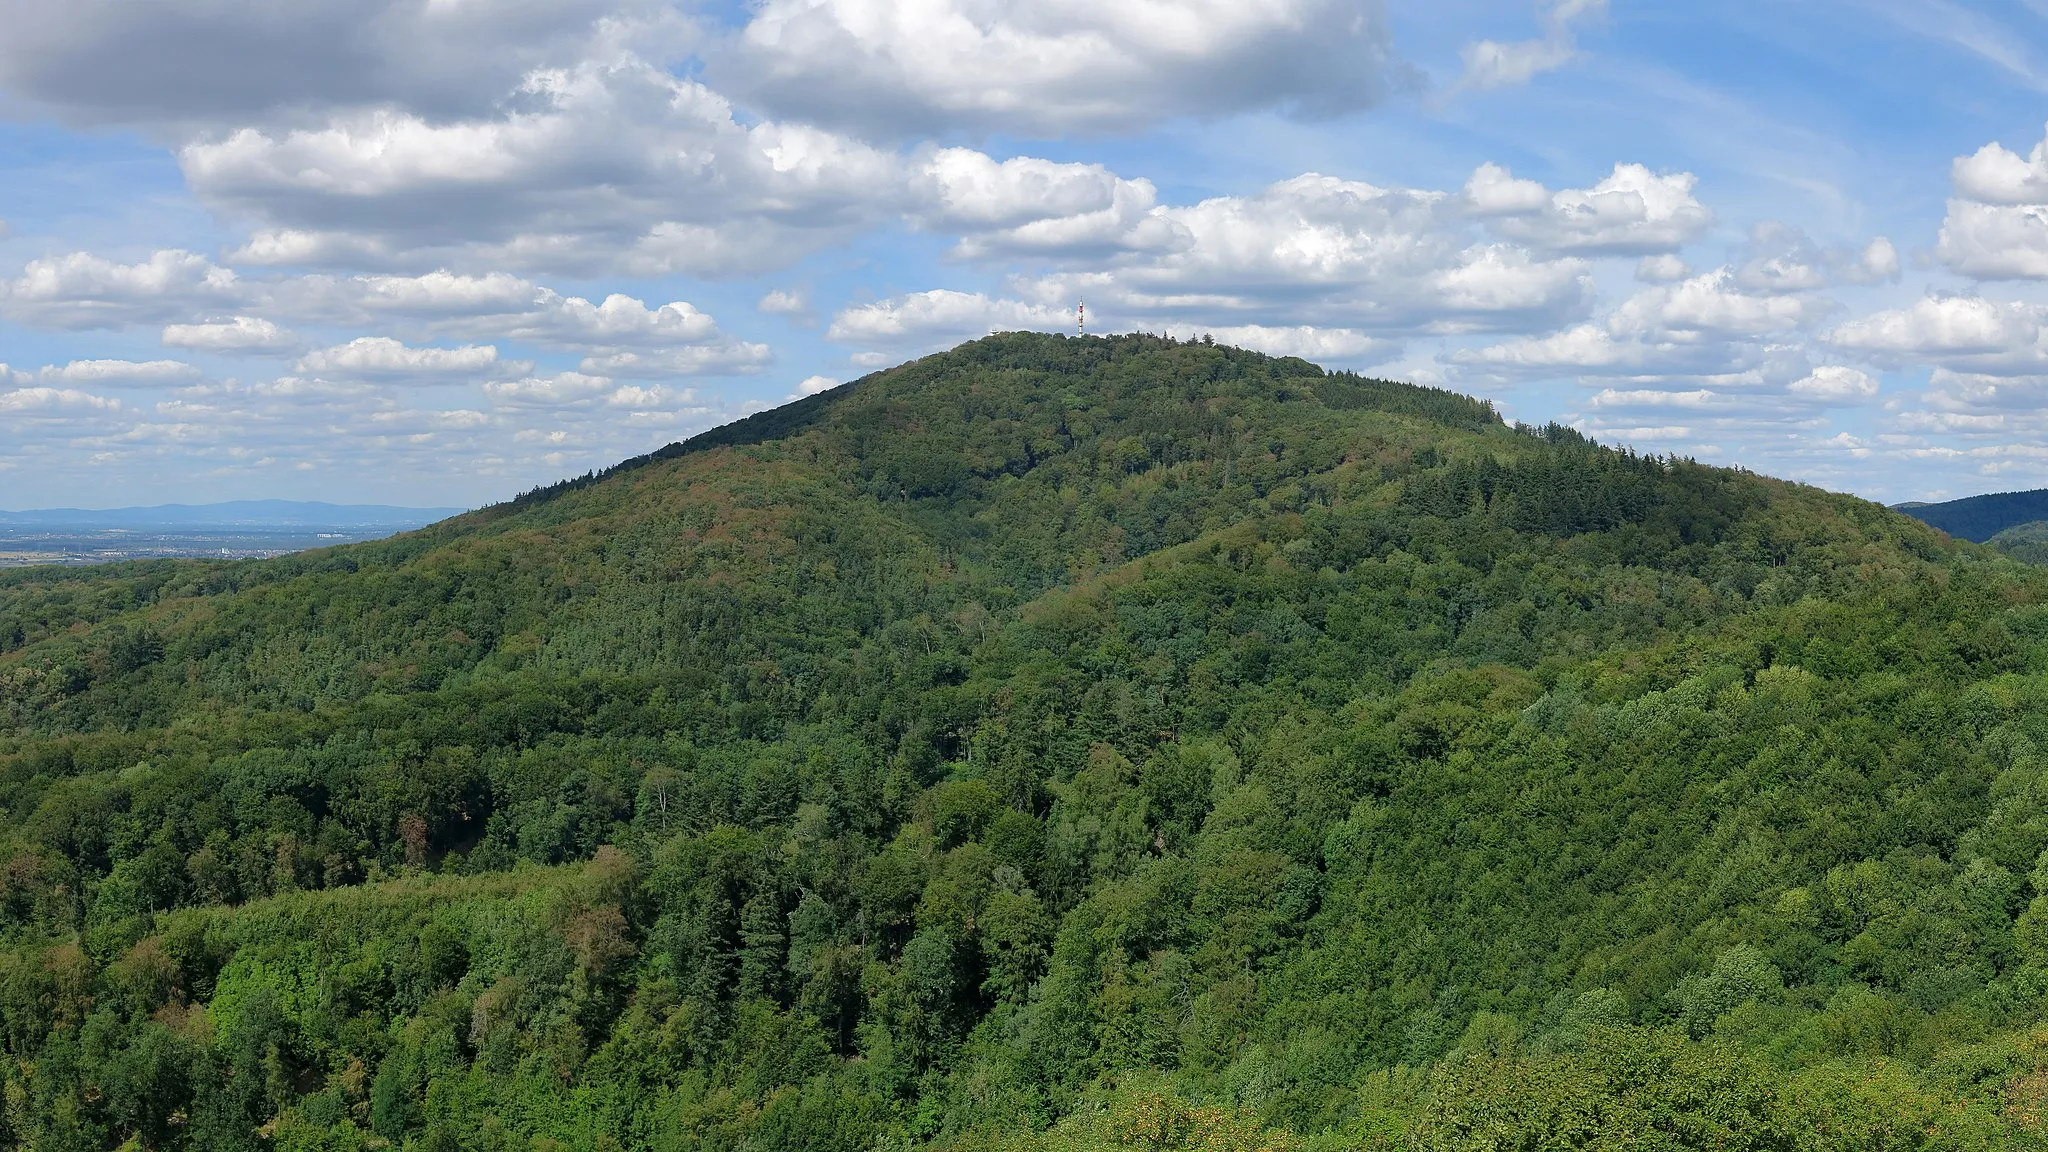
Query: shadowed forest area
[[1051, 744]]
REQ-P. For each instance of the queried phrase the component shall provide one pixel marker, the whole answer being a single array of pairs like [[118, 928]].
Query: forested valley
[[1054, 744]]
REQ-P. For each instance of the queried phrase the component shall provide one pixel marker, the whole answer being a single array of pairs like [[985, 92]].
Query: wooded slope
[[1101, 742]]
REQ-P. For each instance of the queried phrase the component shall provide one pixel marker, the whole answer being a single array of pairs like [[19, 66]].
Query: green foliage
[[2026, 542], [1094, 743]]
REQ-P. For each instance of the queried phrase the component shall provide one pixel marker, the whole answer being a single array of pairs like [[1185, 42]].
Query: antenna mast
[[1080, 317]]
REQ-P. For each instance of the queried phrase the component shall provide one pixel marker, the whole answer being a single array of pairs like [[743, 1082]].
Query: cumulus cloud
[[1662, 268], [784, 302], [1997, 222], [1696, 398], [1704, 329], [1961, 334], [1714, 304], [1497, 64], [726, 358], [1879, 261], [1996, 175], [119, 373], [1633, 211], [621, 335], [940, 316], [1050, 67], [81, 290], [812, 385], [1834, 384], [213, 61], [234, 334], [611, 159], [620, 165], [381, 356], [560, 389], [1328, 345], [57, 402], [1332, 253], [1030, 205], [1781, 258], [1595, 350]]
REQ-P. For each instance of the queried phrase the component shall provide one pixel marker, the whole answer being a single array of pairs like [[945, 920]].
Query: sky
[[438, 252]]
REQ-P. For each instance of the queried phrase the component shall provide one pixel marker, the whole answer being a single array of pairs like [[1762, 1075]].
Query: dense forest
[[1054, 744], [1982, 518]]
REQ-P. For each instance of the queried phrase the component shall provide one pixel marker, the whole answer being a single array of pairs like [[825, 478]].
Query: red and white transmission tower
[[1081, 318]]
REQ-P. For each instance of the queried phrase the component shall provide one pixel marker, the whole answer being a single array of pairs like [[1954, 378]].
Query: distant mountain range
[[1979, 518], [243, 514]]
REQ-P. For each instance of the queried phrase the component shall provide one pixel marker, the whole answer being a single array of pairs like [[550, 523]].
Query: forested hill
[[1049, 744], [1980, 518]]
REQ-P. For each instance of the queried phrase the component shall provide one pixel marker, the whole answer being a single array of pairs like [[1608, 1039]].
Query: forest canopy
[[1050, 744]]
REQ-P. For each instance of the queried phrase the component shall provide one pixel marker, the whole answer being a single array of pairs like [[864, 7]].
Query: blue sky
[[439, 251]]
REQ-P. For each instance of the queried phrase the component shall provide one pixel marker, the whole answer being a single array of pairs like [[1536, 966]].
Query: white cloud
[[939, 316], [1662, 268], [812, 385], [1029, 205], [1323, 345], [621, 334], [571, 322], [611, 159], [1989, 361], [214, 61], [1051, 67], [1594, 350], [1996, 175], [1632, 211], [560, 389], [1714, 304], [119, 373], [1880, 261], [1697, 398], [727, 358], [234, 334], [45, 401], [1781, 258], [381, 356], [1494, 191], [781, 302], [1325, 252], [1995, 241], [1703, 329], [1997, 223], [1960, 333], [82, 290], [1834, 384], [1495, 64]]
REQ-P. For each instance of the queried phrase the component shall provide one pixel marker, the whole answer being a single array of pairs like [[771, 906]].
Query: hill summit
[[1054, 743]]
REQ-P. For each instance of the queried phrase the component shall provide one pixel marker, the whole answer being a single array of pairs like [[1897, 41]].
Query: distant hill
[[2027, 542], [231, 514], [1979, 518]]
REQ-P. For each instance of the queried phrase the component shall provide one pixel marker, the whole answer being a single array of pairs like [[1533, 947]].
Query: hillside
[[1979, 518], [2024, 542], [1056, 744]]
